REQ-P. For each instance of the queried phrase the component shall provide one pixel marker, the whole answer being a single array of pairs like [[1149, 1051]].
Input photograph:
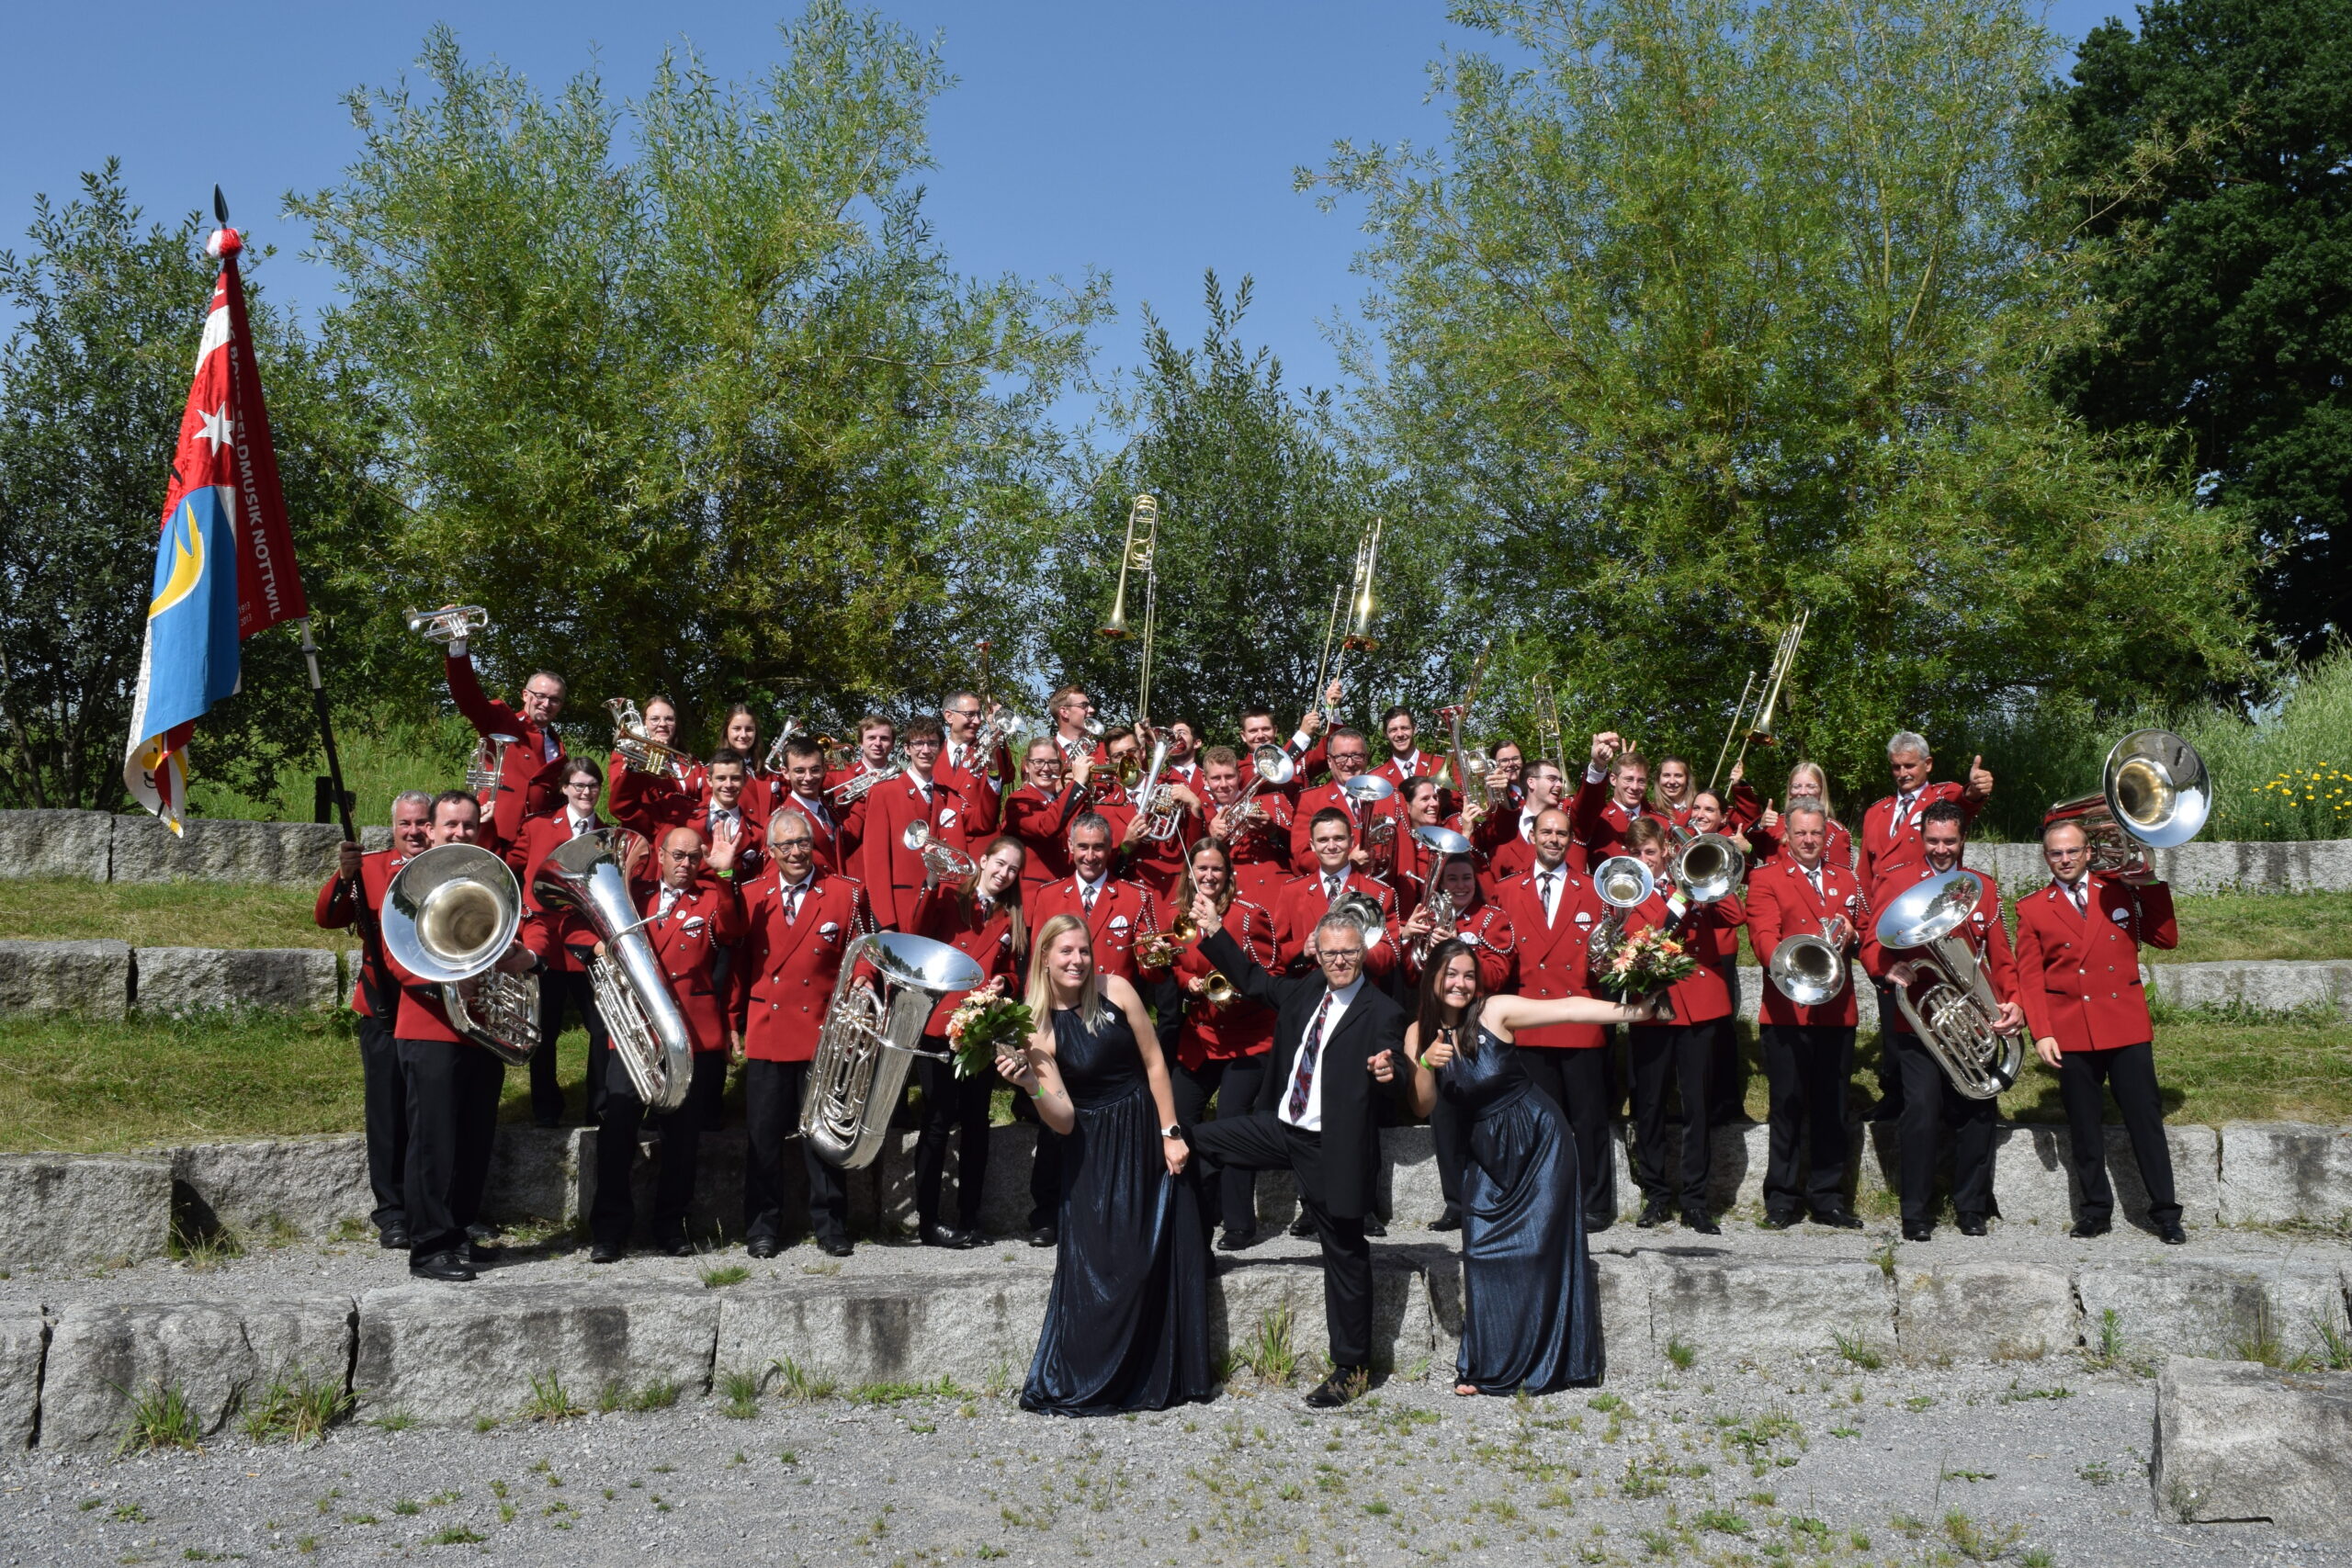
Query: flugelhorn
[[852, 789], [1157, 949], [1957, 1017], [889, 985], [2155, 793], [449, 916], [449, 623], [941, 860], [638, 751]]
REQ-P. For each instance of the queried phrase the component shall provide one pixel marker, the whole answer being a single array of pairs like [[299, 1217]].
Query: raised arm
[[1508, 1015]]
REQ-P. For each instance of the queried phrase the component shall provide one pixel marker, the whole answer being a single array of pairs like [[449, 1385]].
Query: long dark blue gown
[[1530, 1312], [1127, 1324]]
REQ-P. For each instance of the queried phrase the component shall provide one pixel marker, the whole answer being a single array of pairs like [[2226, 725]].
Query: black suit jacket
[[1372, 1023]]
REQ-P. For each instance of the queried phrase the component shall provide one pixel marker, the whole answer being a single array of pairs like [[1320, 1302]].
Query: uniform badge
[[1118, 925], [1584, 917], [2119, 916], [946, 816], [830, 930], [692, 925]]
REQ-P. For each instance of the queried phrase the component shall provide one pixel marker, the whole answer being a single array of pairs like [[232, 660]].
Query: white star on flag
[[216, 426]]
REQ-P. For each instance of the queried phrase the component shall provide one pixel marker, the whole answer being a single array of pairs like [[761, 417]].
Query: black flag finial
[[220, 205]]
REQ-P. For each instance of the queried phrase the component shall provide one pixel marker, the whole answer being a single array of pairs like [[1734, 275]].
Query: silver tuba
[[449, 916], [2154, 794], [1955, 1019], [641, 1016], [872, 1035], [1442, 844], [942, 860]]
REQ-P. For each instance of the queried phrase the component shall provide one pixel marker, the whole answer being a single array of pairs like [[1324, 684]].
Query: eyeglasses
[[1343, 957]]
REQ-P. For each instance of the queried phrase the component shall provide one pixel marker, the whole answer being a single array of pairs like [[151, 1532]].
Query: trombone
[[1784, 655], [1355, 600], [1547, 719], [1135, 557]]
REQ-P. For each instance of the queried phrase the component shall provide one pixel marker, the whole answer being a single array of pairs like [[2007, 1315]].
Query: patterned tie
[[1310, 1053], [2075, 891], [792, 904], [1331, 886], [1545, 883], [1901, 809], [1086, 898]]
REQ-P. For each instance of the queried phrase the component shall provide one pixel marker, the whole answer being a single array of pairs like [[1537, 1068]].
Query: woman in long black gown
[[1127, 1324], [1530, 1316]]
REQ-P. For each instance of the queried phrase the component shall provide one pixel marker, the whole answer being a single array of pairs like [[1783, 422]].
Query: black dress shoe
[[2086, 1229], [1237, 1241], [948, 1236], [449, 1266], [1372, 1225], [676, 1246], [1344, 1384], [1839, 1218], [605, 1252], [394, 1238], [1700, 1221], [835, 1245], [480, 1252], [1653, 1214], [1449, 1221], [763, 1246], [1972, 1224], [1595, 1226], [2171, 1234], [1045, 1235], [1302, 1227], [1772, 1222], [1919, 1230]]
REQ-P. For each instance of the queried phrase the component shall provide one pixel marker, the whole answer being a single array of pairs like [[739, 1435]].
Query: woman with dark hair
[[1531, 1316], [1223, 1049], [1127, 1324], [981, 917]]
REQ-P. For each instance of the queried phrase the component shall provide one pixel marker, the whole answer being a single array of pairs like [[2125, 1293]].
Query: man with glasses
[[978, 779], [568, 938], [1041, 811], [1350, 755], [529, 774], [1317, 1115]]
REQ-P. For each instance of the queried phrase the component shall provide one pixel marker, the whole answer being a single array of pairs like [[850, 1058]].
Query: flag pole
[[320, 705]]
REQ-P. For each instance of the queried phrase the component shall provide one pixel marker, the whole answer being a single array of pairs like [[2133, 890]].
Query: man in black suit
[[1335, 1036]]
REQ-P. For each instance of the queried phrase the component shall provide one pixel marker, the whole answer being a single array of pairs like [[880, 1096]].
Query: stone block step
[[2237, 1442]]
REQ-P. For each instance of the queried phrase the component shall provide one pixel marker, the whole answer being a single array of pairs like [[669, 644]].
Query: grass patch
[[1683, 1356], [2216, 1068], [298, 1411], [2216, 926], [164, 914], [161, 1417], [725, 1275], [799, 1385], [1269, 1353], [1857, 1350], [549, 1401], [741, 1392]]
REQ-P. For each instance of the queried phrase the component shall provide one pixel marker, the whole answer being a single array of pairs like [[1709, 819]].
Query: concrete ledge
[[2306, 865], [444, 1354], [2008, 1311], [2205, 1307], [1760, 1307], [206, 979], [307, 1186], [2270, 984], [2033, 1174], [220, 850], [2236, 1442], [976, 1329], [2281, 1172], [91, 977], [57, 843], [24, 1338], [69, 1210], [103, 1359]]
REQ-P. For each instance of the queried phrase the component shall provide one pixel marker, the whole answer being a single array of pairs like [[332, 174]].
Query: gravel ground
[[2034, 1463]]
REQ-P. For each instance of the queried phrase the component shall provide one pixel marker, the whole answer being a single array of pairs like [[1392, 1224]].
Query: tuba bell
[[449, 916], [1708, 868], [1623, 883], [633, 996], [2155, 793], [890, 983], [1954, 1020], [1810, 968], [942, 860]]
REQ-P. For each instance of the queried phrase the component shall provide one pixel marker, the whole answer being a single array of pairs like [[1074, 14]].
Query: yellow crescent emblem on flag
[[188, 562]]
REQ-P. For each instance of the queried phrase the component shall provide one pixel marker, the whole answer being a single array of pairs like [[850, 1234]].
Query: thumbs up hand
[[1980, 782]]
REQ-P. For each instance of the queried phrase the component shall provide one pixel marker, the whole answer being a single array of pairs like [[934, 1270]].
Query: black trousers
[[562, 994], [383, 1099], [1726, 1087], [1262, 1141], [1929, 1106], [1234, 1083], [1805, 1068], [1682, 1050], [951, 1104], [1578, 1080], [1045, 1167], [2130, 1073], [453, 1091], [614, 1215], [1890, 1077], [771, 1096]]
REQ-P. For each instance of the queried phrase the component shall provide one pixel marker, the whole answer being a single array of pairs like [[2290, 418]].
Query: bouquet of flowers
[[985, 1025], [1643, 963]]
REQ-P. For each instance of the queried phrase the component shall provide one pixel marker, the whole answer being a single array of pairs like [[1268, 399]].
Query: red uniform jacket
[[1492, 939], [785, 970], [1262, 851], [2078, 975], [1304, 901], [1244, 1027], [337, 910], [1121, 910], [1041, 823], [531, 778], [893, 873], [1599, 825], [1553, 953], [983, 803], [1306, 766], [1984, 928], [824, 830], [560, 932], [1706, 929], [651, 806], [1327, 797], [1781, 903], [706, 916], [1888, 843], [421, 1015], [941, 914]]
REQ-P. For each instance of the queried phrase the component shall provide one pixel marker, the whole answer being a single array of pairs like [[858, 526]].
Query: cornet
[[489, 766], [450, 623], [942, 861], [855, 789], [638, 751]]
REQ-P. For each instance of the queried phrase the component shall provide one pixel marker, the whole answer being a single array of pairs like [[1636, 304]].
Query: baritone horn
[[890, 983], [2155, 793], [1957, 1017], [1810, 968], [638, 751], [450, 914]]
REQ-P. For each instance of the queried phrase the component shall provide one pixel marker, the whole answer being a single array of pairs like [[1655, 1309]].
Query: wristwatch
[[1173, 1130]]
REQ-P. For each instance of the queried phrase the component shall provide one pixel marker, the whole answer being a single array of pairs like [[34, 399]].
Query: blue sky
[[1148, 140]]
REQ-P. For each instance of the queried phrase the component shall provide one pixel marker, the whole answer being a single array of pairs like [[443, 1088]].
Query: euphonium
[[1272, 766], [632, 994], [449, 916], [890, 983], [1810, 968], [853, 789], [1955, 1019], [449, 623], [638, 751], [943, 860], [2155, 793], [1623, 883]]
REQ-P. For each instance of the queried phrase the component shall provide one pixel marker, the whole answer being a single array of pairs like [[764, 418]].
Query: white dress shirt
[[1311, 1119]]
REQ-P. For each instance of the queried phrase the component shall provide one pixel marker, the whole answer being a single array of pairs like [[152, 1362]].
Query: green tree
[[93, 380], [1261, 509], [2207, 156], [682, 391], [1709, 312]]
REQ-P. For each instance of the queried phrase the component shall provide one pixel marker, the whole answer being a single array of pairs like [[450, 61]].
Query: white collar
[[1347, 993]]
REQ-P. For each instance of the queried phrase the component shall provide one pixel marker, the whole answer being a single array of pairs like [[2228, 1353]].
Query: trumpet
[[638, 751], [1157, 949], [943, 862], [2155, 793], [996, 730], [855, 789], [793, 730], [1956, 1018], [450, 623]]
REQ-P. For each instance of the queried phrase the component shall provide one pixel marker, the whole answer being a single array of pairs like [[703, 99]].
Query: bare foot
[[1464, 1388]]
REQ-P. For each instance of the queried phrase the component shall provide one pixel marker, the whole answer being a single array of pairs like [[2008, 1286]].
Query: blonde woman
[[1808, 782], [1127, 1324]]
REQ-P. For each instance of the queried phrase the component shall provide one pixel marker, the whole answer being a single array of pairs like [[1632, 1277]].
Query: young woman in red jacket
[[1223, 1049], [979, 916]]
